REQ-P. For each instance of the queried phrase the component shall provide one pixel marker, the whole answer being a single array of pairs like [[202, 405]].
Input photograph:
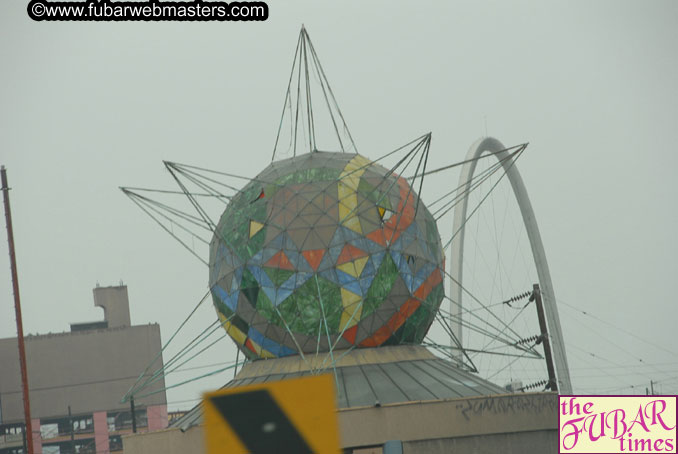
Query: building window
[[11, 438], [51, 449], [85, 447], [48, 431], [115, 443], [64, 426], [122, 420], [12, 429], [110, 420], [12, 451], [81, 446], [83, 424]]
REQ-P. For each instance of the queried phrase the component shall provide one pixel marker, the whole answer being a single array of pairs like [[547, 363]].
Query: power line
[[588, 314]]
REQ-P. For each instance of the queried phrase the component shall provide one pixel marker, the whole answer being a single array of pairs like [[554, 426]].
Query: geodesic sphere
[[325, 250]]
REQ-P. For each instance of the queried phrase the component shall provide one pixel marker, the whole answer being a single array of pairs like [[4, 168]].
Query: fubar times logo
[[617, 424]]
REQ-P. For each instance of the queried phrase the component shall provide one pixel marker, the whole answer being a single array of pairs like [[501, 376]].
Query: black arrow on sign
[[260, 423]]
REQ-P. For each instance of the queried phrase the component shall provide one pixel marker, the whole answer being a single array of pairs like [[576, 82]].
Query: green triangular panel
[[303, 311], [381, 285], [278, 275], [249, 287]]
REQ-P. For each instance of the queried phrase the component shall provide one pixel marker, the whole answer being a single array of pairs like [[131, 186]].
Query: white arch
[[492, 145]]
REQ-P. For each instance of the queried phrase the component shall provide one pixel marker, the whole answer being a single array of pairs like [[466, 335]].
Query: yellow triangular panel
[[255, 227], [355, 267], [359, 265], [266, 354], [353, 223], [234, 332], [352, 309]]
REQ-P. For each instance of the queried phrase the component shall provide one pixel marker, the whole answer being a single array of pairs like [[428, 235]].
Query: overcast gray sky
[[88, 107]]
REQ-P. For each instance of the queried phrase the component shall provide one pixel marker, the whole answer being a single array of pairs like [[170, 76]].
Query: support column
[[37, 436], [157, 417]]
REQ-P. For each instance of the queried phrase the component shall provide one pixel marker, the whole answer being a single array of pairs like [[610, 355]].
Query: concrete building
[[84, 372], [400, 394]]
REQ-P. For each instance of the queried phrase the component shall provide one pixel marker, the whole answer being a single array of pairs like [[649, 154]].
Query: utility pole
[[553, 383], [652, 387], [17, 310]]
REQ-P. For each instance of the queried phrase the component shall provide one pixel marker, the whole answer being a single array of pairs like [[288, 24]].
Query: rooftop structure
[[330, 262], [399, 393], [76, 382], [368, 377]]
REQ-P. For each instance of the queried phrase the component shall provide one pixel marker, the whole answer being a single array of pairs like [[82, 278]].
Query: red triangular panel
[[281, 261], [350, 253], [248, 344], [378, 237], [350, 333], [314, 257]]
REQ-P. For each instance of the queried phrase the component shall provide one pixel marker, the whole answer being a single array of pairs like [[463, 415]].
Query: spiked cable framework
[[208, 187], [512, 157], [304, 133], [210, 190], [144, 380]]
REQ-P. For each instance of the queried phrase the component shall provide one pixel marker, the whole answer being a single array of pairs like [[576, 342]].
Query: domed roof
[[368, 377], [385, 375]]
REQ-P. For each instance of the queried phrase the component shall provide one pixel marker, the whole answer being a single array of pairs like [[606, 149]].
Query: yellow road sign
[[295, 416]]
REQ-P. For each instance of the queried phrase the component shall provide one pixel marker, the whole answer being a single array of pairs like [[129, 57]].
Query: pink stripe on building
[[157, 417], [100, 432], [37, 438]]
